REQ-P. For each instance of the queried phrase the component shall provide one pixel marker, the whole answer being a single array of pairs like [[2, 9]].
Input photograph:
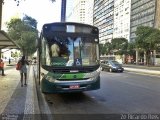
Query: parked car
[[111, 66]]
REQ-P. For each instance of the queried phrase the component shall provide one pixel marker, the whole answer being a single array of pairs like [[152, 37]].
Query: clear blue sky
[[44, 11]]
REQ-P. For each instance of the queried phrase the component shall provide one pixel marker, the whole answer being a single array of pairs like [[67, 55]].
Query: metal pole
[[63, 11], [1, 2]]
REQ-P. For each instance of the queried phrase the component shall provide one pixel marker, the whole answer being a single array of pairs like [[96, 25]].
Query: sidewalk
[[18, 102], [155, 70]]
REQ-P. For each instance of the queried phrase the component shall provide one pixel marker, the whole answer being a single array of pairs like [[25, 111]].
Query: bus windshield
[[72, 51]]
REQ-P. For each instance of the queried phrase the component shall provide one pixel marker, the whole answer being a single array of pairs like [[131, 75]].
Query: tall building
[[143, 13], [122, 19], [80, 11], [103, 18], [89, 11], [157, 15], [69, 6]]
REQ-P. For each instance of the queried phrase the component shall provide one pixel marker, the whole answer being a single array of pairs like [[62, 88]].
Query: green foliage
[[105, 48], [148, 39], [131, 48], [142, 33], [24, 33], [102, 49], [30, 22], [119, 45], [14, 54], [108, 47]]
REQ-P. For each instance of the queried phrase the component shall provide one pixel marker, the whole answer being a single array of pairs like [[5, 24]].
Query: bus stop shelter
[[6, 42]]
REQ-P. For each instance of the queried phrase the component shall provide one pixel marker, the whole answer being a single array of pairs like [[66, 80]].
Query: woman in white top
[[23, 70]]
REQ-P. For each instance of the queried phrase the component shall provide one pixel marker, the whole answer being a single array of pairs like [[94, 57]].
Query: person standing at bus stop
[[23, 70], [2, 67]]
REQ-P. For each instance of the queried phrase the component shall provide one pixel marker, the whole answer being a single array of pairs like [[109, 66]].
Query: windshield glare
[[72, 51]]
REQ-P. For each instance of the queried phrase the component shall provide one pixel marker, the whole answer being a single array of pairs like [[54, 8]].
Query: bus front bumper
[[70, 86]]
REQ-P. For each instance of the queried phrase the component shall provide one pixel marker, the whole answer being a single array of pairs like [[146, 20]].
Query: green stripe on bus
[[67, 76]]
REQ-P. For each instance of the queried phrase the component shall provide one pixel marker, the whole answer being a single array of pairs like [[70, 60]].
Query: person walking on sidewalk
[[23, 70], [2, 67]]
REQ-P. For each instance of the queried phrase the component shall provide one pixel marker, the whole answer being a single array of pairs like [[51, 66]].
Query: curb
[[153, 72], [36, 103]]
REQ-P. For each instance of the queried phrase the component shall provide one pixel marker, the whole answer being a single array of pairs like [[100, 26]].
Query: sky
[[44, 11]]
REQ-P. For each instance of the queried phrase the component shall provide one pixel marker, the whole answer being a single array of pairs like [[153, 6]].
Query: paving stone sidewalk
[[18, 102]]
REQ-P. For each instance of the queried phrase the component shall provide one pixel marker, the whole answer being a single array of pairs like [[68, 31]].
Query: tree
[[131, 48], [24, 33], [142, 33], [108, 47], [102, 49], [30, 21], [148, 39], [119, 45], [105, 48]]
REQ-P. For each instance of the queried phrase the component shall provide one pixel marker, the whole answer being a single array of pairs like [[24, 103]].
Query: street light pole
[[1, 3], [63, 11]]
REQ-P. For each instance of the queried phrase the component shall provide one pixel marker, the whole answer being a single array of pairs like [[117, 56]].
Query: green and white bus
[[68, 57]]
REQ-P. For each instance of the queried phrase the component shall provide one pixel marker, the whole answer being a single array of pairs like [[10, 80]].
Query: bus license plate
[[74, 86]]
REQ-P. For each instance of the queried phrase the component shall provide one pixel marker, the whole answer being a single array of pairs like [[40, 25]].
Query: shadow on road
[[79, 97]]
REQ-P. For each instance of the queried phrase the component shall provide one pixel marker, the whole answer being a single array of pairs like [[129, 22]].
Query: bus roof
[[68, 23], [70, 27]]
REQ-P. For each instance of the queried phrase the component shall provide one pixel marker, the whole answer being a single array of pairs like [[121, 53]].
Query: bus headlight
[[50, 79], [92, 75], [88, 75], [94, 78]]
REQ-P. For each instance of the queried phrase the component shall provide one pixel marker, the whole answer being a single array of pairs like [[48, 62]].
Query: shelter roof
[[6, 42]]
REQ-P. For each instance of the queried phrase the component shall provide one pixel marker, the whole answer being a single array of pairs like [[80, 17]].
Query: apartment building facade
[[103, 18], [143, 13], [80, 11], [115, 18], [122, 10], [157, 15]]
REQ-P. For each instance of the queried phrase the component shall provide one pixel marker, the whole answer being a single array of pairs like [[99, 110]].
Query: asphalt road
[[120, 93]]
